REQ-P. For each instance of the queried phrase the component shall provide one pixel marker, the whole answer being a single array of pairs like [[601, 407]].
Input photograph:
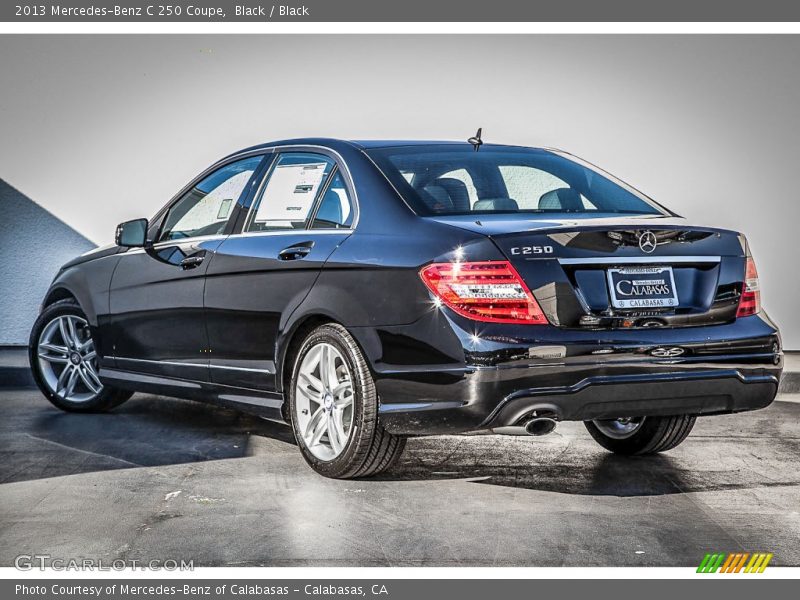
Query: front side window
[[206, 208], [287, 196], [456, 180]]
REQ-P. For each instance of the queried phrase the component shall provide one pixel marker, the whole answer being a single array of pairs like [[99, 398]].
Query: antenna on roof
[[476, 141]]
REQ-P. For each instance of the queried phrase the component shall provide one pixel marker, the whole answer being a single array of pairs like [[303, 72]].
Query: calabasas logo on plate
[[547, 351], [642, 287]]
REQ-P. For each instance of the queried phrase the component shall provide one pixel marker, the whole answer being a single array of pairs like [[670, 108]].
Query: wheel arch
[[75, 290], [292, 337], [290, 341], [58, 293]]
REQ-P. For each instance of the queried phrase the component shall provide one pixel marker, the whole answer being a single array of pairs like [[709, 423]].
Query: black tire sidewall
[[105, 400], [364, 404], [631, 445], [648, 439]]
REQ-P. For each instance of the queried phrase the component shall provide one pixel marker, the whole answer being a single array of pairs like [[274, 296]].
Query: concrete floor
[[105, 486]]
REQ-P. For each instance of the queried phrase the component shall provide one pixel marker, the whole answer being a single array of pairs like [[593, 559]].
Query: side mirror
[[131, 234]]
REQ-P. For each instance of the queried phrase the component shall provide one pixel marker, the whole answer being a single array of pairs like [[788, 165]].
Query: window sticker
[[290, 192], [225, 209]]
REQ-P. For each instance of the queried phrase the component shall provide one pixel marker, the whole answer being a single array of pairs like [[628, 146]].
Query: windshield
[[456, 180]]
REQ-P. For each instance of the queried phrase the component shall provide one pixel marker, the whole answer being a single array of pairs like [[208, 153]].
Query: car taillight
[[489, 291], [750, 300]]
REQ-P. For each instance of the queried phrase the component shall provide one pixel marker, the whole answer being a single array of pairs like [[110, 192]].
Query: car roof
[[334, 143], [367, 144]]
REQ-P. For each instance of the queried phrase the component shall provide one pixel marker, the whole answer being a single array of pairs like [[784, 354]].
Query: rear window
[[456, 180]]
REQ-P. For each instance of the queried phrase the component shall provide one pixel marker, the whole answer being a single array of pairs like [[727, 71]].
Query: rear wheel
[[640, 435], [334, 408], [64, 362]]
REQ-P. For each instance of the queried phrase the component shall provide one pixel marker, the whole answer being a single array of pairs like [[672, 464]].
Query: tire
[[653, 435], [48, 365], [348, 398]]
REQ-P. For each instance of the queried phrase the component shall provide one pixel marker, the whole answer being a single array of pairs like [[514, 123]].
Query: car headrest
[[456, 190], [496, 204], [437, 198], [561, 199], [331, 208]]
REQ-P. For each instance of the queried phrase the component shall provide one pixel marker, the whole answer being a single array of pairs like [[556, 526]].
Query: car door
[[302, 211], [156, 294]]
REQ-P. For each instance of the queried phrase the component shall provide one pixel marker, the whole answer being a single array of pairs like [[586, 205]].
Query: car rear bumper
[[599, 376]]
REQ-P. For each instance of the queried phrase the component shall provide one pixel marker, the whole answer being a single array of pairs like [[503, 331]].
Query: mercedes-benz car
[[364, 292]]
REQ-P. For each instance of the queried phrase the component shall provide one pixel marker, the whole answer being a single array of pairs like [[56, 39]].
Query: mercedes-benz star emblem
[[667, 352], [647, 241]]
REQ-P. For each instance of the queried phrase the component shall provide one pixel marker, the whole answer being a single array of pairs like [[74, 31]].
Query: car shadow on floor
[[595, 474], [147, 431], [38, 441]]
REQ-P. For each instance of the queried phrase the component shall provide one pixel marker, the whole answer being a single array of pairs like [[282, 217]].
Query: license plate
[[642, 287]]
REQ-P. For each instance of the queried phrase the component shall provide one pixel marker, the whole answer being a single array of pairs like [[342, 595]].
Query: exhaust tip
[[540, 426]]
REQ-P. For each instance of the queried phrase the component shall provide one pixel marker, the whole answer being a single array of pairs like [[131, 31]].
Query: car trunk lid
[[622, 272]]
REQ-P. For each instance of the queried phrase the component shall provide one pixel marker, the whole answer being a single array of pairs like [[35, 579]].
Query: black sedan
[[368, 291]]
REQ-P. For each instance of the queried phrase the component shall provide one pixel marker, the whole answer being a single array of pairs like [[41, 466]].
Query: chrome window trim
[[176, 242], [179, 241], [239, 155], [300, 232]]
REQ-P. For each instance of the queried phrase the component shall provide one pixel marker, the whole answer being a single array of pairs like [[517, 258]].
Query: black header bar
[[402, 11]]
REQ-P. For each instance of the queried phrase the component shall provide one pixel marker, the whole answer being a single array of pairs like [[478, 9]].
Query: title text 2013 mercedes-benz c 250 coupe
[[369, 291]]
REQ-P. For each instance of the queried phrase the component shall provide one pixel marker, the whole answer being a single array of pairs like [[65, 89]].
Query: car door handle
[[295, 252], [190, 262]]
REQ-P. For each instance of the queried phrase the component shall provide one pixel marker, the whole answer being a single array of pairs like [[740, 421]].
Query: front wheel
[[64, 362], [640, 435], [334, 408]]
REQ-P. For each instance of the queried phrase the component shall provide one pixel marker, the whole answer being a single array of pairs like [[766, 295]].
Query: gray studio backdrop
[[97, 129]]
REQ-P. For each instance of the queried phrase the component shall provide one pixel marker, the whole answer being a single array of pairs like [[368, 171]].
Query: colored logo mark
[[738, 562]]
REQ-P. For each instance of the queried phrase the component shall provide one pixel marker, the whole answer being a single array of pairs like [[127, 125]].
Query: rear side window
[[456, 180], [335, 209], [288, 194]]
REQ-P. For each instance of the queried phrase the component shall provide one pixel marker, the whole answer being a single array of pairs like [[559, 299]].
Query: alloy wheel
[[619, 429], [324, 401], [67, 359]]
